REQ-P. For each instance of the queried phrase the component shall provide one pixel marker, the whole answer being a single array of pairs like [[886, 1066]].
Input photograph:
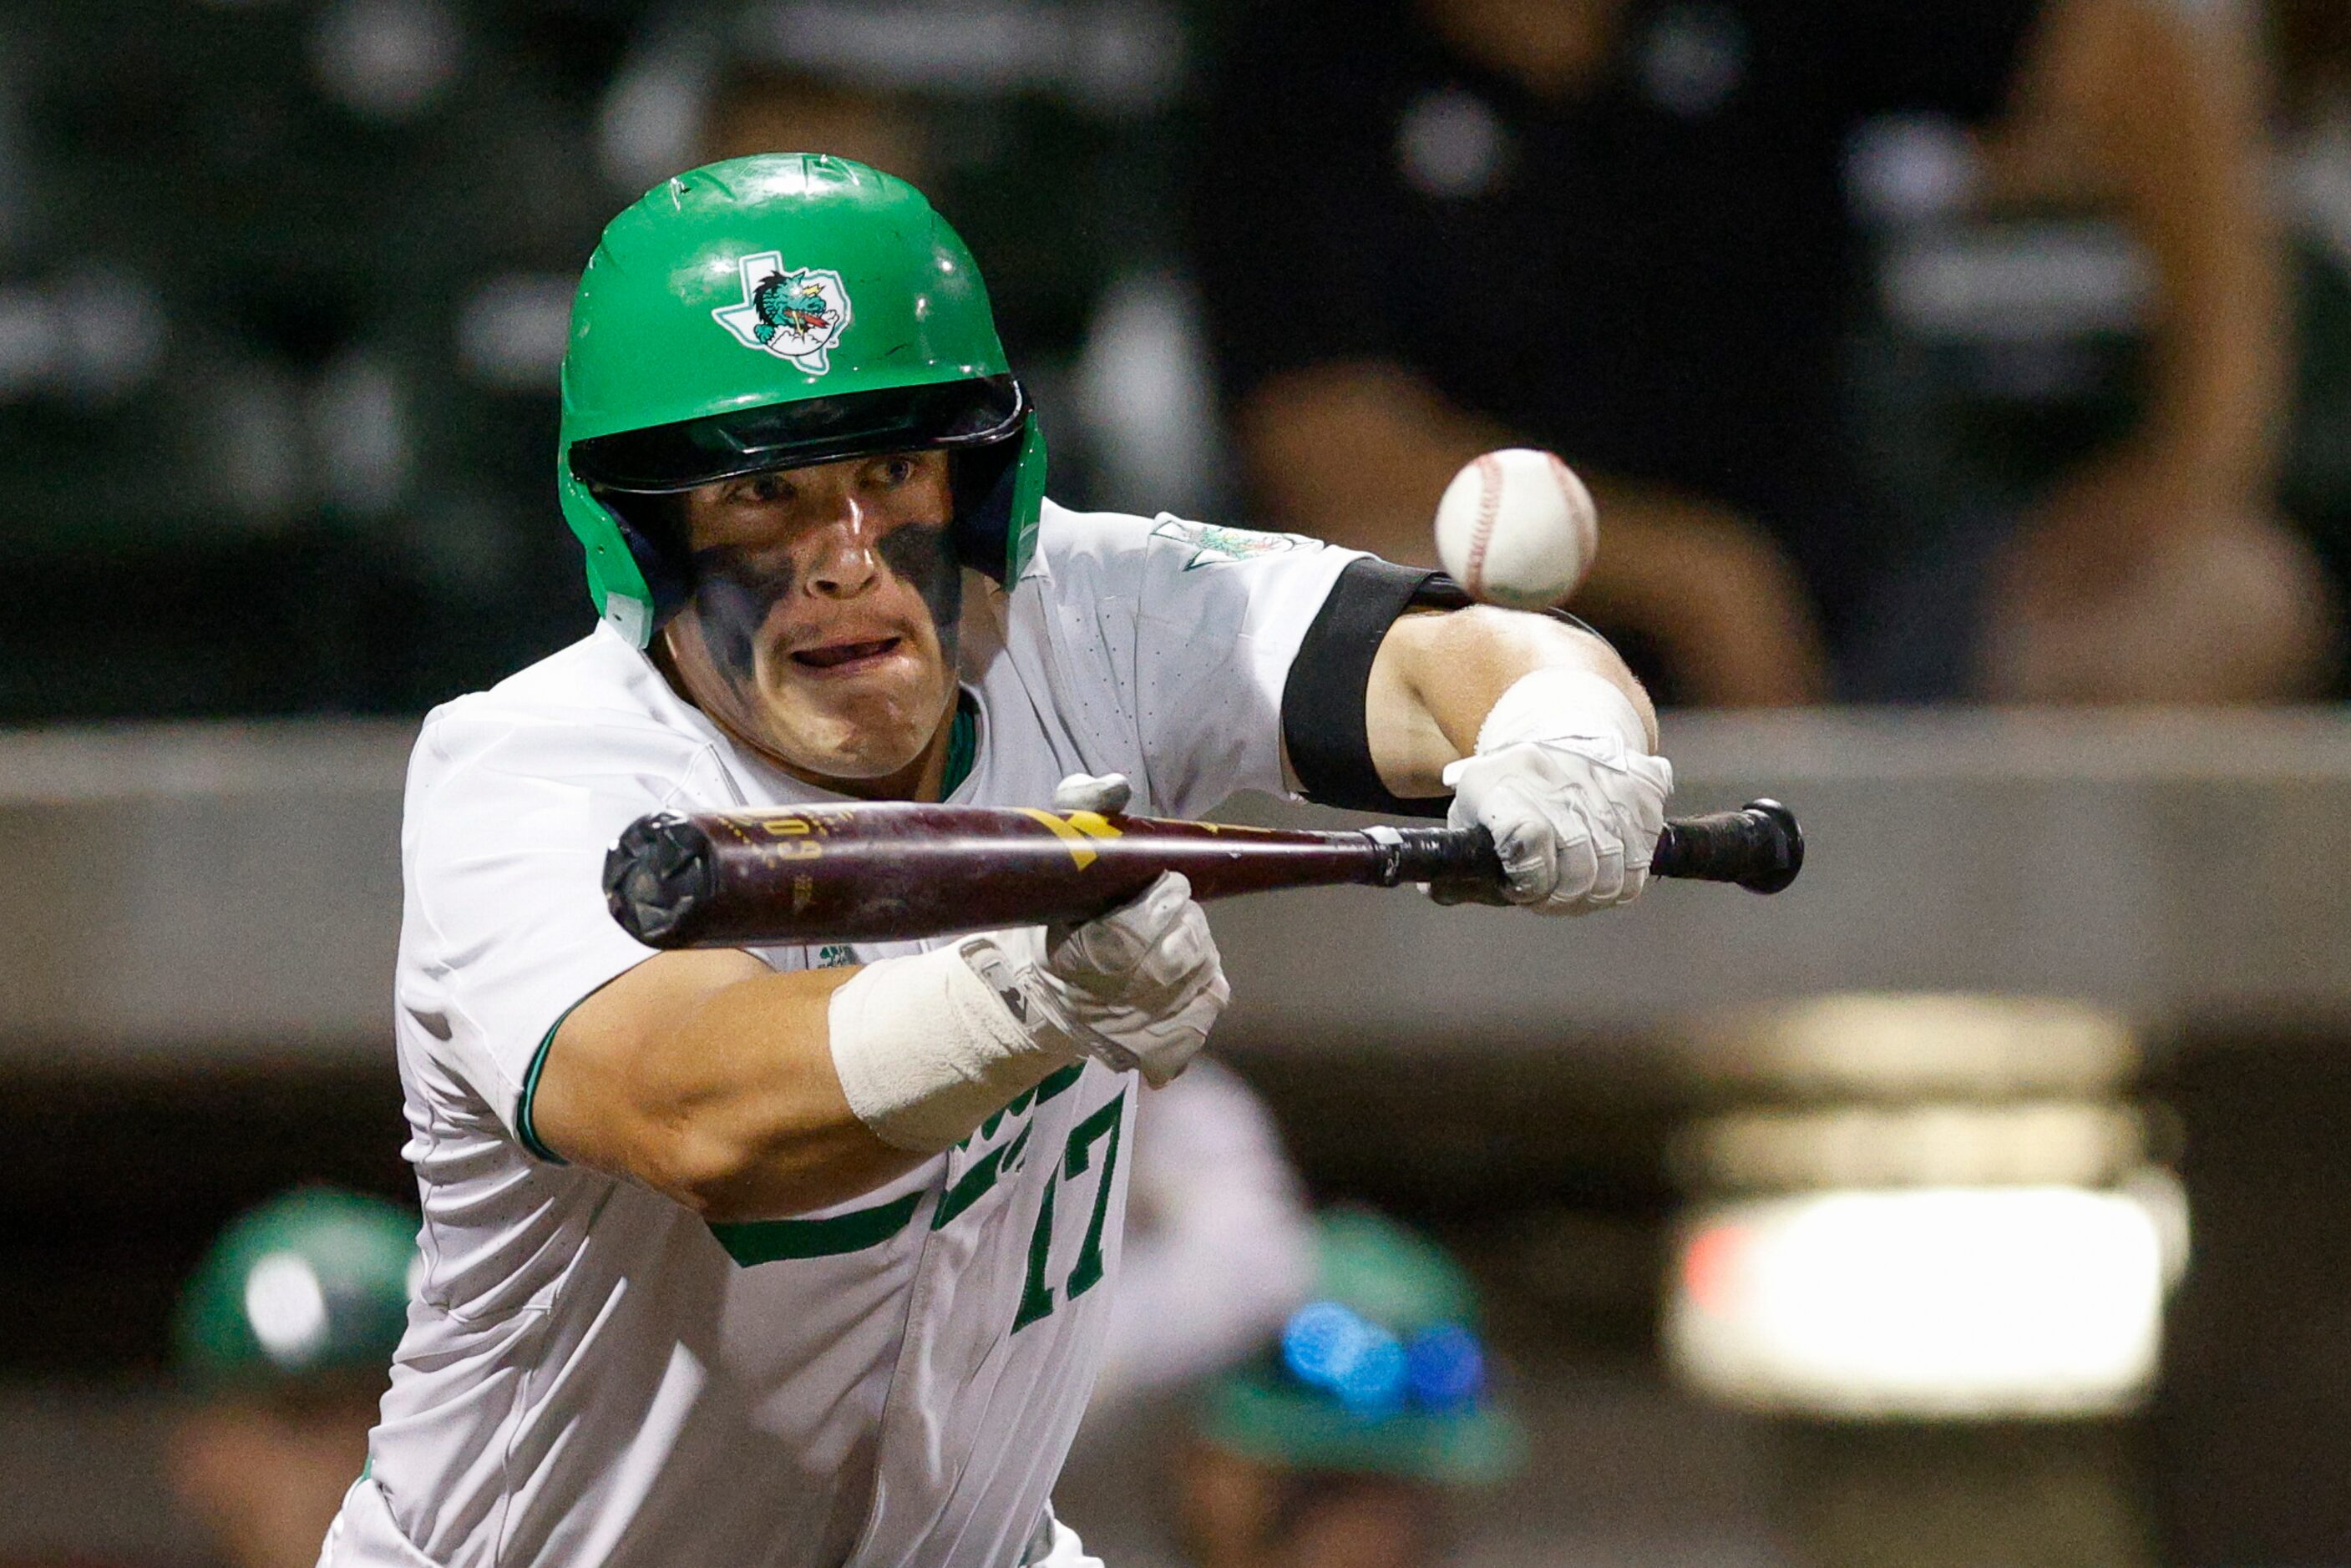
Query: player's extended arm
[[1544, 737], [709, 1077], [1438, 675], [744, 1093]]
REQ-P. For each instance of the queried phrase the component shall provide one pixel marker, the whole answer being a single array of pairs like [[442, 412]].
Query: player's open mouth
[[838, 657]]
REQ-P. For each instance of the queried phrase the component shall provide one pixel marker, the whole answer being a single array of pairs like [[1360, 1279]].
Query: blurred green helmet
[[308, 1286], [771, 311], [1382, 1374]]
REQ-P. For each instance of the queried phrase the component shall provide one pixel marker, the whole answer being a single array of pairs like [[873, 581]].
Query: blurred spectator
[[1621, 228], [1337, 1446], [285, 1334]]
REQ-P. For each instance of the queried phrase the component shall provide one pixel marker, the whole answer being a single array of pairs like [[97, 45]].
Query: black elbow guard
[[1324, 720]]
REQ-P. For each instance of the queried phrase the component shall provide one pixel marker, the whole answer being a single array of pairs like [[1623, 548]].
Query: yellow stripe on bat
[[1074, 829]]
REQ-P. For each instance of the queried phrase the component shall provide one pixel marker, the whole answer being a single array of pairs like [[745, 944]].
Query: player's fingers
[[1526, 840], [1640, 817], [1608, 850], [1639, 847], [1178, 1038], [1576, 866], [1182, 963], [1103, 793], [1102, 954]]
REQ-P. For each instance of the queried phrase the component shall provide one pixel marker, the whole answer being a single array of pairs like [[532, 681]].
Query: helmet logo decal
[[797, 315]]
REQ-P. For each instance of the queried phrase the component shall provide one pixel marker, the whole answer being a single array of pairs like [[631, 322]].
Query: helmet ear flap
[[998, 490], [653, 532], [984, 482]]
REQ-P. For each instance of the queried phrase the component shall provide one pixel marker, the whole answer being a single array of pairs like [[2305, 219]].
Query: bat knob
[[656, 878], [1791, 857]]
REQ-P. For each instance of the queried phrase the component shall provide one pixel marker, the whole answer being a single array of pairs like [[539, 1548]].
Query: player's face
[[822, 626]]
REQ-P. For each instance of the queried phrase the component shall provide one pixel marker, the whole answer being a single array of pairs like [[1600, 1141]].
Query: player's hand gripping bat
[[895, 872]]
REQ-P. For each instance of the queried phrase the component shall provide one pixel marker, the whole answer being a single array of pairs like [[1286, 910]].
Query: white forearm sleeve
[[926, 1050]]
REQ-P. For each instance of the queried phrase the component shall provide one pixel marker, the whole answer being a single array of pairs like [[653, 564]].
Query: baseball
[[1516, 528]]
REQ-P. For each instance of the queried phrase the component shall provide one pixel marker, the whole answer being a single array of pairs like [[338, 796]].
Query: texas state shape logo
[[797, 315]]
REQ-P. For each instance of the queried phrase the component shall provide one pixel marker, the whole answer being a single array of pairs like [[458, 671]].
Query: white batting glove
[[1563, 780], [1105, 792], [1136, 989]]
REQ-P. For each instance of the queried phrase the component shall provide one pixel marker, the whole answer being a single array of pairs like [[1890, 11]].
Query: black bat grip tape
[[1761, 848], [661, 873]]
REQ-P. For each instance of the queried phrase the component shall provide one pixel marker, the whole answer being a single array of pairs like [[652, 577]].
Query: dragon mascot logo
[[797, 315]]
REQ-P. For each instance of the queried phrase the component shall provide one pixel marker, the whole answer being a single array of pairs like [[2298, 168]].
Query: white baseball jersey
[[593, 1375]]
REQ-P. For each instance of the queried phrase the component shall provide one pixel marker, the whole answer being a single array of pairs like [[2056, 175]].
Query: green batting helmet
[[308, 1285], [770, 312]]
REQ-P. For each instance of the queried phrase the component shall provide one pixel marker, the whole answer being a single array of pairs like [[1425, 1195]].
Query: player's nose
[[846, 563]]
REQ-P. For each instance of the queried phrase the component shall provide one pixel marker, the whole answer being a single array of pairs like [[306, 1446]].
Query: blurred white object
[[1782, 1148], [1146, 397], [2019, 283], [358, 425], [1451, 145], [95, 334], [651, 120], [389, 59], [1220, 1249], [1886, 1045], [1115, 59], [1925, 1303], [1904, 169], [2316, 179], [1110, 55], [513, 330]]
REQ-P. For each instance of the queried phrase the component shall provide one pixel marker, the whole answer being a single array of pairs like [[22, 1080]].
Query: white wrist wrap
[[926, 1050], [1554, 704]]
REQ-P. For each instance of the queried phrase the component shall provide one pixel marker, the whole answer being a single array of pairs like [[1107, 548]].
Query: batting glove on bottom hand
[[1136, 989], [1562, 781]]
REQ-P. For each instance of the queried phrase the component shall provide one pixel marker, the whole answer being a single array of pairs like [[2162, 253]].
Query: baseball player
[[801, 1256]]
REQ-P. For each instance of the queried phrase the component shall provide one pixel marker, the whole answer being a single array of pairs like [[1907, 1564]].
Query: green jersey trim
[[525, 1127], [755, 1241]]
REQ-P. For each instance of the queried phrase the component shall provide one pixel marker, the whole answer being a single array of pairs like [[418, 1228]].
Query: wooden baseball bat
[[895, 872]]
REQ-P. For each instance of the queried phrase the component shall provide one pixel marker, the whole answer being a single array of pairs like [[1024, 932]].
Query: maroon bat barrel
[[890, 872], [894, 872]]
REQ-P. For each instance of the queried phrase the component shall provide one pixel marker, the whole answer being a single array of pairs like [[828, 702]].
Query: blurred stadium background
[[2004, 1230]]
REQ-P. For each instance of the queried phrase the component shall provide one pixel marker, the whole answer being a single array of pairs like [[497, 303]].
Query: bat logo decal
[[1074, 828]]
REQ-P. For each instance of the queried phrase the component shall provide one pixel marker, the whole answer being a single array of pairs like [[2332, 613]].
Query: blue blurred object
[[1330, 1346], [1445, 1367], [1383, 1375], [1318, 1342]]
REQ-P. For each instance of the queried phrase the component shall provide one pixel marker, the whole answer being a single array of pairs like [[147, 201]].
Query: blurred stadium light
[[1930, 1302], [1958, 1216]]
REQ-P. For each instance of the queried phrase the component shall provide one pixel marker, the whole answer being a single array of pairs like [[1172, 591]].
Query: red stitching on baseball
[[1489, 504], [1566, 480], [1567, 489]]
